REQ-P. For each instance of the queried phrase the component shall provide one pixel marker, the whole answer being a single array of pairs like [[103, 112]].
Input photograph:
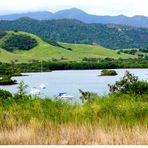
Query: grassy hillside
[[45, 51]]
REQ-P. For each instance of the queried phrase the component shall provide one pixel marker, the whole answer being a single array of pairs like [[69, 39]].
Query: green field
[[45, 51]]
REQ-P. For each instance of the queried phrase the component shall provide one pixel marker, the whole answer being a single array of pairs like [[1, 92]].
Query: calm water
[[72, 80]]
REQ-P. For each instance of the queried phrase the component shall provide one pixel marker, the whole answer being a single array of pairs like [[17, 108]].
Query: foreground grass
[[103, 120], [74, 134]]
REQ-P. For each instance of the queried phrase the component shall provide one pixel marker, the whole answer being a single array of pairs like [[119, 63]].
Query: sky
[[97, 7]]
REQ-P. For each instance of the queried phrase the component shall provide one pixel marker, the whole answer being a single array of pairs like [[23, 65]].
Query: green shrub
[[106, 72], [5, 94], [22, 88], [129, 84], [87, 96]]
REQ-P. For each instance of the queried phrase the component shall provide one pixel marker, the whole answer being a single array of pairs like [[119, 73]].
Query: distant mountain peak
[[121, 15], [69, 13], [75, 10], [78, 14]]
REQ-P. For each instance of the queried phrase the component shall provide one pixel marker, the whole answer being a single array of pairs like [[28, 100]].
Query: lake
[[71, 80]]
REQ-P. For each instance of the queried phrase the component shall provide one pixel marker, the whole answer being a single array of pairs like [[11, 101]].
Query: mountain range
[[73, 31], [74, 13]]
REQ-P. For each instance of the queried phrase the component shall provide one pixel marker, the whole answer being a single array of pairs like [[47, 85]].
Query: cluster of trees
[[2, 34], [145, 50], [132, 51], [54, 43], [129, 84], [18, 41], [85, 59], [6, 73], [73, 31], [6, 80]]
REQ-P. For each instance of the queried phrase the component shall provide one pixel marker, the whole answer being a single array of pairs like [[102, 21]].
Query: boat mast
[[41, 66]]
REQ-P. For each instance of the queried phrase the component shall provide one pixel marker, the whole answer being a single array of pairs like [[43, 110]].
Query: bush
[[87, 96], [5, 94], [139, 88], [108, 72], [130, 84], [22, 88]]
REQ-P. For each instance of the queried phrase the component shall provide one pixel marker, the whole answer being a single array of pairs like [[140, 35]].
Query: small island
[[7, 73], [106, 72], [6, 80]]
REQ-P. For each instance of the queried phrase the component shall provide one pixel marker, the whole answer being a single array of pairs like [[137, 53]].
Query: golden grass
[[70, 134]]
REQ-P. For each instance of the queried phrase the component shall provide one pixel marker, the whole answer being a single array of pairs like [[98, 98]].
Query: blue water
[[71, 80]]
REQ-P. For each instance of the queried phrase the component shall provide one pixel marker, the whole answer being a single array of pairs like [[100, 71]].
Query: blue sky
[[98, 7]]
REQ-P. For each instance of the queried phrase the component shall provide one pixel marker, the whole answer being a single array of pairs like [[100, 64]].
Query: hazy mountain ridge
[[43, 15], [74, 13]]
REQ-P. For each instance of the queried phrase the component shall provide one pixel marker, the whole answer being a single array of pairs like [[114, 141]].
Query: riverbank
[[48, 66]]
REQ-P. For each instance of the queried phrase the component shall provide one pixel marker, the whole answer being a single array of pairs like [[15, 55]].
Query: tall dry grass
[[70, 134], [109, 120]]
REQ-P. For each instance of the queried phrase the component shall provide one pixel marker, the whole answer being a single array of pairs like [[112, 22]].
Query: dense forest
[[73, 31]]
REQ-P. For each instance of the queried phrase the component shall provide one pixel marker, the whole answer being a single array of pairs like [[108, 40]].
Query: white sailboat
[[64, 96], [42, 86], [37, 91]]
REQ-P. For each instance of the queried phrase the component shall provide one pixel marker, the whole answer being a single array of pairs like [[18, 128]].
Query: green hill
[[12, 41], [57, 51]]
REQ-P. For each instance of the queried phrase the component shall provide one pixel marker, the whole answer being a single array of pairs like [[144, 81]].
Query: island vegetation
[[6, 80], [106, 72], [6, 74], [119, 118]]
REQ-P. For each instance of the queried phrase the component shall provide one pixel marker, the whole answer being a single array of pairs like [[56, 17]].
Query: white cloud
[[100, 7]]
